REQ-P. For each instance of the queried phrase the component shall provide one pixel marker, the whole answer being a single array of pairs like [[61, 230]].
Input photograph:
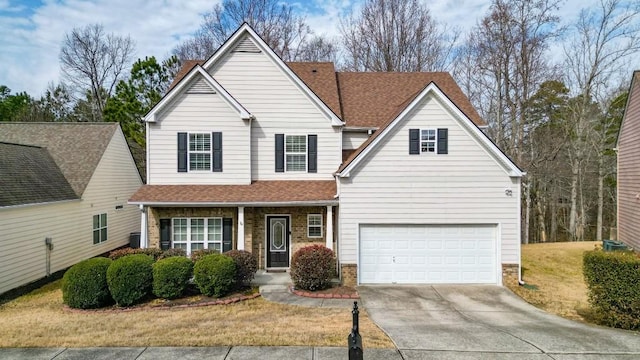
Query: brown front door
[[277, 241]]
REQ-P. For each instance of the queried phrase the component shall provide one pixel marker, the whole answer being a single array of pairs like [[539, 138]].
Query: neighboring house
[[629, 168], [67, 182], [390, 170]]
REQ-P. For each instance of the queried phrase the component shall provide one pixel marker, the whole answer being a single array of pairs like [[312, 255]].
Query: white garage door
[[428, 254]]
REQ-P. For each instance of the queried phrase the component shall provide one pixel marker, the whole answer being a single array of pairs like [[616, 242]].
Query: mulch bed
[[335, 292], [192, 299]]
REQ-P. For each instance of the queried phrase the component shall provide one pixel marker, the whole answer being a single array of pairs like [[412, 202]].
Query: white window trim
[[189, 151], [100, 228], [309, 226], [435, 141], [305, 153], [206, 240]]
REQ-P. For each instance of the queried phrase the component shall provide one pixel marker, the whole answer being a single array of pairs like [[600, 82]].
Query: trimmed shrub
[[199, 254], [153, 252], [246, 265], [130, 278], [613, 282], [313, 267], [84, 285], [171, 253], [214, 274], [171, 276]]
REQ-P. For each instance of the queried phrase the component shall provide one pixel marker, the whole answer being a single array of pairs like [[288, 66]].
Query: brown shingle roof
[[368, 99], [187, 65], [258, 192], [30, 176], [320, 77], [75, 147]]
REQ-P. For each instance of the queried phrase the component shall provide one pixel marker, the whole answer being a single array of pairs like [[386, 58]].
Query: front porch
[[273, 234]]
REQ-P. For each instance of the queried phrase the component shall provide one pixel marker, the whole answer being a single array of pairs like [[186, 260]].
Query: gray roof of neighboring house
[[75, 147], [30, 175]]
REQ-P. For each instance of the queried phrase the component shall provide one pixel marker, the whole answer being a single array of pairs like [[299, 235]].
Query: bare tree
[[319, 48], [506, 54], [93, 61], [396, 35], [604, 39], [283, 30]]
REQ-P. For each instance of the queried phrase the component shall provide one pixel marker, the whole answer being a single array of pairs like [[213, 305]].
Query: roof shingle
[[286, 191], [76, 148], [30, 176]]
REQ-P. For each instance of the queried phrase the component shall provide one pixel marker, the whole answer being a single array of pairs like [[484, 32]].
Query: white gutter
[[11, 207], [235, 204]]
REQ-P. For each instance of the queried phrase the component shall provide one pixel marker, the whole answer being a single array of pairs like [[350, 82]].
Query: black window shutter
[[443, 141], [279, 152], [227, 234], [217, 152], [165, 234], [414, 141], [312, 153], [182, 152]]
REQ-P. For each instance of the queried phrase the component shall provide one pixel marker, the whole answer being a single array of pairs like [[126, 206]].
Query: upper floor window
[[428, 140], [435, 141], [296, 152], [200, 151]]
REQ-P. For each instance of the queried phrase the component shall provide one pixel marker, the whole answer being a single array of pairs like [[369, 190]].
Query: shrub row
[[156, 254], [613, 282], [132, 277]]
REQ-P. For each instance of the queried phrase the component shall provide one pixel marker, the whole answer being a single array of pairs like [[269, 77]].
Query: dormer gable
[[197, 81], [246, 40]]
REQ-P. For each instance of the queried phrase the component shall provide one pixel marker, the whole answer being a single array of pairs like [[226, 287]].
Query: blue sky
[[32, 30]]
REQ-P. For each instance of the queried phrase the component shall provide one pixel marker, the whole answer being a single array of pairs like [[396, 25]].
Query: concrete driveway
[[485, 322]]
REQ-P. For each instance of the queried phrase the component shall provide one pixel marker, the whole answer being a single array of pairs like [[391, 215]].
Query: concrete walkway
[[193, 353], [274, 287]]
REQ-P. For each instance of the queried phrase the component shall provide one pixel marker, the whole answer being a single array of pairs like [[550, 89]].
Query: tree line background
[[553, 94]]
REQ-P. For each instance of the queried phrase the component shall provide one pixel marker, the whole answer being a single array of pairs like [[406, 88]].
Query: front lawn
[[554, 278], [39, 319]]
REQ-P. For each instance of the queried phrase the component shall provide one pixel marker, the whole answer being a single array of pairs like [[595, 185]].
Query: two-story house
[[390, 170]]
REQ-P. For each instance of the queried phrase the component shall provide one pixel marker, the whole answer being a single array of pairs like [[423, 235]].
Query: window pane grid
[[99, 228], [193, 234], [314, 225], [200, 151], [296, 152], [428, 140]]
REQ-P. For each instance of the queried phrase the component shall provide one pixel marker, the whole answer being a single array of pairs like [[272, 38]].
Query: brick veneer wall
[[349, 274], [509, 273]]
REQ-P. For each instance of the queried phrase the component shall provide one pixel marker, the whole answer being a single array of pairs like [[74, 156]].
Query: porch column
[[143, 227], [240, 227], [329, 235]]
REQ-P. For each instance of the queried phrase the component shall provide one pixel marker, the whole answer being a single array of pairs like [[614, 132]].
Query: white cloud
[[31, 43]]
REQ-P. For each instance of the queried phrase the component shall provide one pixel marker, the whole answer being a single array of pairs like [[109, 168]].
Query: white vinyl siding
[[70, 224], [352, 140], [465, 187], [198, 113], [280, 107]]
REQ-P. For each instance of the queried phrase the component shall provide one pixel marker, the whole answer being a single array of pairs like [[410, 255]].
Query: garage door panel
[[414, 254]]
